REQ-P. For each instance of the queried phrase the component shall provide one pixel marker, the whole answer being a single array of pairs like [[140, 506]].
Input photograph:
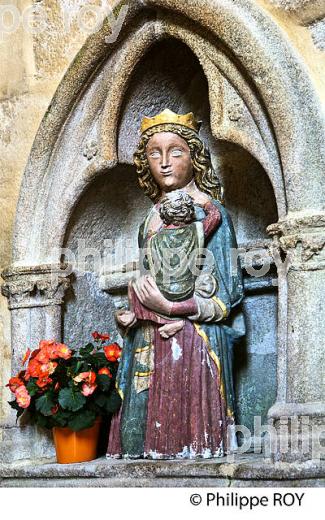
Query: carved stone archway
[[271, 110]]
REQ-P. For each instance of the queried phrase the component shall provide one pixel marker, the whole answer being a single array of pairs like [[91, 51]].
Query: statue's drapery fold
[[162, 414]]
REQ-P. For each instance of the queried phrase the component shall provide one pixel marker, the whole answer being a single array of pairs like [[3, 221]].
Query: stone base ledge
[[248, 470]]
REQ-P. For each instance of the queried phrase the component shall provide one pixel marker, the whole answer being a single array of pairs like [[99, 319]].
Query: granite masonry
[[253, 72]]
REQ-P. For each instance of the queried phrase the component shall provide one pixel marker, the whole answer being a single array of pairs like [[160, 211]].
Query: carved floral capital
[[34, 286], [303, 238]]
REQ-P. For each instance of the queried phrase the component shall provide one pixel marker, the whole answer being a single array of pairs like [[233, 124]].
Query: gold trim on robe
[[120, 392], [221, 305], [144, 356], [216, 360]]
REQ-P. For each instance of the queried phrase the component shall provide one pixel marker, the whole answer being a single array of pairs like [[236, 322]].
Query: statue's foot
[[168, 330]]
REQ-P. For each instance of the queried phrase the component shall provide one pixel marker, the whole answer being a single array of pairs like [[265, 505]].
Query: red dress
[[186, 413]]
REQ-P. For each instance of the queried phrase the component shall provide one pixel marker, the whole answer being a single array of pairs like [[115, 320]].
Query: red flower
[[46, 351], [113, 352], [49, 368], [105, 372], [88, 389], [26, 356], [100, 337], [43, 381], [33, 369], [52, 350], [46, 343], [87, 377], [22, 397], [14, 383], [62, 351], [38, 369]]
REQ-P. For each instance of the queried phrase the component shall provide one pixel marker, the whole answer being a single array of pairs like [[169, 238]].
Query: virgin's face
[[169, 160]]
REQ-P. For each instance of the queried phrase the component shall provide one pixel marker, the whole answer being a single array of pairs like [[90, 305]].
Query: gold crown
[[169, 117]]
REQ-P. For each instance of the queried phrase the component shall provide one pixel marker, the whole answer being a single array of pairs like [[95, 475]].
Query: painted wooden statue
[[175, 373]]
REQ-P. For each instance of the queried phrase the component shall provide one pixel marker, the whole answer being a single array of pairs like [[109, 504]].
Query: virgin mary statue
[[176, 381]]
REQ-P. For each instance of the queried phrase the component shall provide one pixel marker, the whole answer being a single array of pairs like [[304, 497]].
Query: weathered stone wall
[[32, 66]]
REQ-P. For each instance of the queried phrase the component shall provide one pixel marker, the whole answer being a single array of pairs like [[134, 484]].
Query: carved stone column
[[298, 416], [35, 296]]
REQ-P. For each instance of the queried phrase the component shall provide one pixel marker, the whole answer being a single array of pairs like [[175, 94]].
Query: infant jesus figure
[[171, 256]]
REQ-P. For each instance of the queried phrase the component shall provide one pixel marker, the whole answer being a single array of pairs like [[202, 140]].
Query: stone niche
[[229, 62], [113, 207]]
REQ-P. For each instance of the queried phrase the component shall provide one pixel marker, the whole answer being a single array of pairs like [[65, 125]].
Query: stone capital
[[301, 237], [35, 286]]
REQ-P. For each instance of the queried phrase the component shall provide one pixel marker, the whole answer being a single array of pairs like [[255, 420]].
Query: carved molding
[[34, 286], [303, 239], [292, 224]]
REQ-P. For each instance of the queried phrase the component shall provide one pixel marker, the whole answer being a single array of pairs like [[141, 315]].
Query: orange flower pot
[[79, 446]]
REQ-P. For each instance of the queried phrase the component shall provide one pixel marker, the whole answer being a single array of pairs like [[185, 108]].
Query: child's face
[[176, 211], [170, 161]]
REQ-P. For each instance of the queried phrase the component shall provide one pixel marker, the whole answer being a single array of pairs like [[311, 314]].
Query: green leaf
[[44, 404], [32, 387], [61, 418], [114, 403], [81, 420], [84, 351], [14, 405], [78, 367], [101, 400], [104, 382], [100, 358], [109, 403], [69, 399], [43, 422]]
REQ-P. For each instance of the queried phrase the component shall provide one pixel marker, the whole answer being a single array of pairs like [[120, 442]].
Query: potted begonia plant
[[69, 391]]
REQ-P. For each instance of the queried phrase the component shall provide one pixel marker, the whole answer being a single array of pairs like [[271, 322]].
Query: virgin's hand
[[150, 296]]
